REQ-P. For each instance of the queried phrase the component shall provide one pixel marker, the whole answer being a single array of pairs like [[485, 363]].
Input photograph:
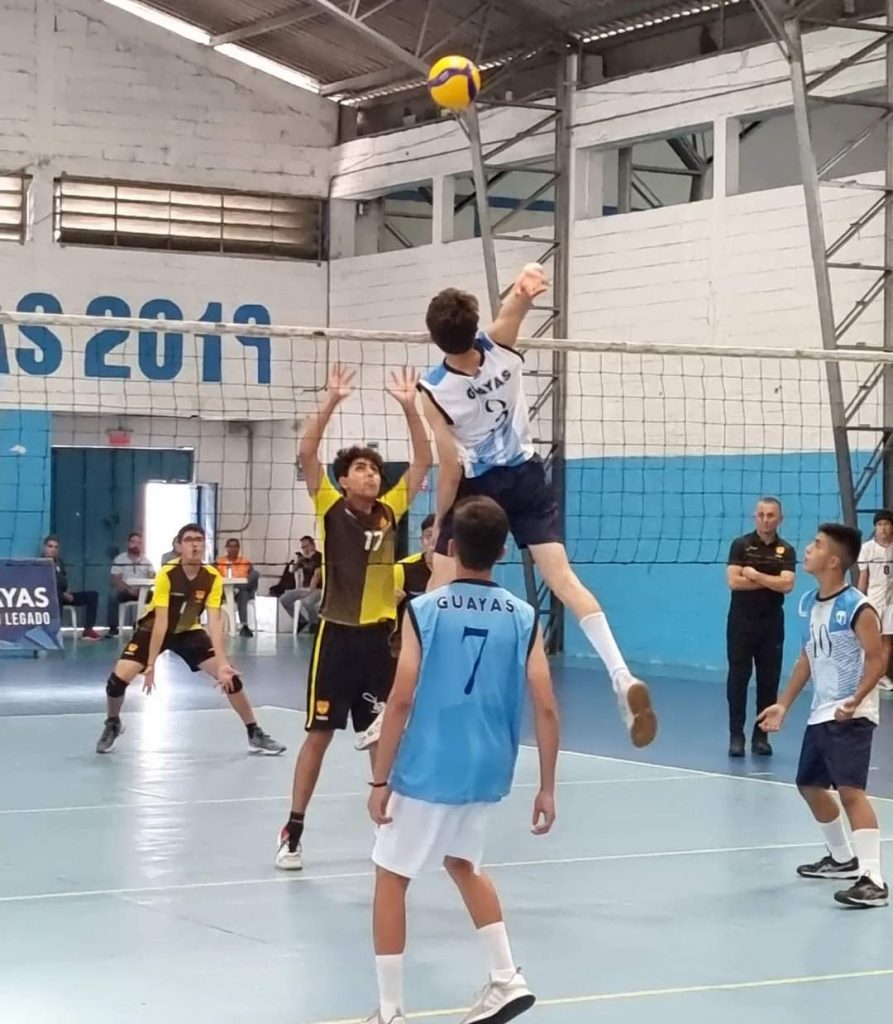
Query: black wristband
[[377, 785]]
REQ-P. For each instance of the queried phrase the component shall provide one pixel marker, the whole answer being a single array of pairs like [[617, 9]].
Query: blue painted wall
[[24, 482], [651, 536]]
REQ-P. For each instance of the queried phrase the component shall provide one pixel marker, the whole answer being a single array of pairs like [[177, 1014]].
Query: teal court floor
[[139, 886]]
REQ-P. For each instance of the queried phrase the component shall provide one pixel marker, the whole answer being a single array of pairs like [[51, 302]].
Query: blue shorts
[[526, 497], [836, 754]]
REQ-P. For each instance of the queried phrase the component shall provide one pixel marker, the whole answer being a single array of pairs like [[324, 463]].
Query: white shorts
[[422, 834], [887, 621]]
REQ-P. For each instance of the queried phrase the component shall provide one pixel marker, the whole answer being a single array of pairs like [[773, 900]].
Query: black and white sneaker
[[500, 1001], [828, 867], [111, 731], [263, 743], [865, 893]]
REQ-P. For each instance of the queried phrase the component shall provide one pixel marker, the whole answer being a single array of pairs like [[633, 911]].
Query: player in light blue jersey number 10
[[468, 649], [844, 656]]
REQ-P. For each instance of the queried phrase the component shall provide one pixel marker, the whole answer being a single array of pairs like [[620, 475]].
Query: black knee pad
[[237, 685], [115, 687]]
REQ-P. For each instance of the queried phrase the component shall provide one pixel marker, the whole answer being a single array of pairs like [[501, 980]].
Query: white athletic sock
[[867, 843], [597, 631], [496, 941], [837, 840], [390, 985]]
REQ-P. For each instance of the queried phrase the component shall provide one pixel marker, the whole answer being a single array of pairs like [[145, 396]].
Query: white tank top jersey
[[835, 655], [487, 411], [878, 560]]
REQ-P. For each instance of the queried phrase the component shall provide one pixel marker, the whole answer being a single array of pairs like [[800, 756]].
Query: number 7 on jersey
[[481, 634]]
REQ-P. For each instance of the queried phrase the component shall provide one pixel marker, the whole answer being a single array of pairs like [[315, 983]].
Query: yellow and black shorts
[[193, 646], [351, 672]]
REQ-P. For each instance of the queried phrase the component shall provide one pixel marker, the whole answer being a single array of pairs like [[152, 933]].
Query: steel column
[[887, 384], [817, 246]]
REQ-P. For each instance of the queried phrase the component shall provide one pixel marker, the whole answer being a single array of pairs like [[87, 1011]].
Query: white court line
[[499, 865], [162, 802], [649, 764], [647, 993]]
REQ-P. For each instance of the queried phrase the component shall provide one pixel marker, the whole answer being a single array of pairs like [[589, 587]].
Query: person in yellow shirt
[[183, 591], [351, 668], [235, 566]]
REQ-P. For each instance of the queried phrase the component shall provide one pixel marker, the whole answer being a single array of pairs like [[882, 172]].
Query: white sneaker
[[372, 735], [501, 1001], [885, 683], [376, 1018], [288, 860], [637, 712]]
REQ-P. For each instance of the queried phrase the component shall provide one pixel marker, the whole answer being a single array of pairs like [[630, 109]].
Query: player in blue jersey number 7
[[844, 656], [475, 403], [467, 651]]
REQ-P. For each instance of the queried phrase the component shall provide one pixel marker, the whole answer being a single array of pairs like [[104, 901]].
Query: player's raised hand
[[403, 386], [378, 805], [846, 710], [531, 281], [771, 719], [340, 382], [543, 813]]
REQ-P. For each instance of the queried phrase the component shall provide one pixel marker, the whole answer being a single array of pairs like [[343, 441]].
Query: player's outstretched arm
[[339, 387], [159, 628], [868, 631], [394, 722], [530, 283], [403, 389], [225, 671], [545, 718], [449, 472], [772, 718]]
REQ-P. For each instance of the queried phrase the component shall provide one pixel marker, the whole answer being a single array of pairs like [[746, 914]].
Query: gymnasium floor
[[139, 886]]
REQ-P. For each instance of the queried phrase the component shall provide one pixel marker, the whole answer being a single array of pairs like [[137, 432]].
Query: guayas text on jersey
[[475, 603], [493, 384]]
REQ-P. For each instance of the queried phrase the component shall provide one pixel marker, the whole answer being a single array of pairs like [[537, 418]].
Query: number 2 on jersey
[[374, 539], [481, 634]]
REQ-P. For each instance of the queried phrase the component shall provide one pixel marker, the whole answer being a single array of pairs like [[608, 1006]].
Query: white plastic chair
[[122, 613]]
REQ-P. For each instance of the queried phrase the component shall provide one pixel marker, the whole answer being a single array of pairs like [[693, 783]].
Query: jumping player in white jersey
[[475, 403], [467, 651], [844, 657]]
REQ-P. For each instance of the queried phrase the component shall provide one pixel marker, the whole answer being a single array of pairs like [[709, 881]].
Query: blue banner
[[29, 606]]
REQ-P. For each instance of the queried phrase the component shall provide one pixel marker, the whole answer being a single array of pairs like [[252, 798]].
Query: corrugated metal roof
[[303, 35]]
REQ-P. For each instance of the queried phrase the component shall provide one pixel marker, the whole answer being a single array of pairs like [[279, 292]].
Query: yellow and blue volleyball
[[454, 82]]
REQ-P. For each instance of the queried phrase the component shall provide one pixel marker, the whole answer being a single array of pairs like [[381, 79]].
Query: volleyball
[[454, 82]]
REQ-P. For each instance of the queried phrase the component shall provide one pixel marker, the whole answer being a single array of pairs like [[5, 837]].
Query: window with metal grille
[[134, 215], [14, 207]]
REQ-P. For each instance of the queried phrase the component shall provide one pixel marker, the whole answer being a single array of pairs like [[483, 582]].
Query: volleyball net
[[665, 448]]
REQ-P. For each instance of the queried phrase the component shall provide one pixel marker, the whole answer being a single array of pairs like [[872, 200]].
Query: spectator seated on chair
[[86, 599], [130, 564], [302, 581], [234, 566]]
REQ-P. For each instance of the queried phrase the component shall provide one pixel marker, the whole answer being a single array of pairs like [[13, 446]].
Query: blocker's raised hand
[[340, 382], [403, 386]]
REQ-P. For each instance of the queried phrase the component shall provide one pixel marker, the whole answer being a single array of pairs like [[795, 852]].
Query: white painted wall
[[90, 90]]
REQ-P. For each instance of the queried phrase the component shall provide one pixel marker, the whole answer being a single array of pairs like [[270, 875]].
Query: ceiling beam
[[258, 28], [367, 81], [371, 35]]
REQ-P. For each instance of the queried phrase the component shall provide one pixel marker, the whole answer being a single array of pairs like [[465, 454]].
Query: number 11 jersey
[[461, 742], [358, 552]]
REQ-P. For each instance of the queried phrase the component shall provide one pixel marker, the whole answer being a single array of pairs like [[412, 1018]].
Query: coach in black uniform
[[760, 572]]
